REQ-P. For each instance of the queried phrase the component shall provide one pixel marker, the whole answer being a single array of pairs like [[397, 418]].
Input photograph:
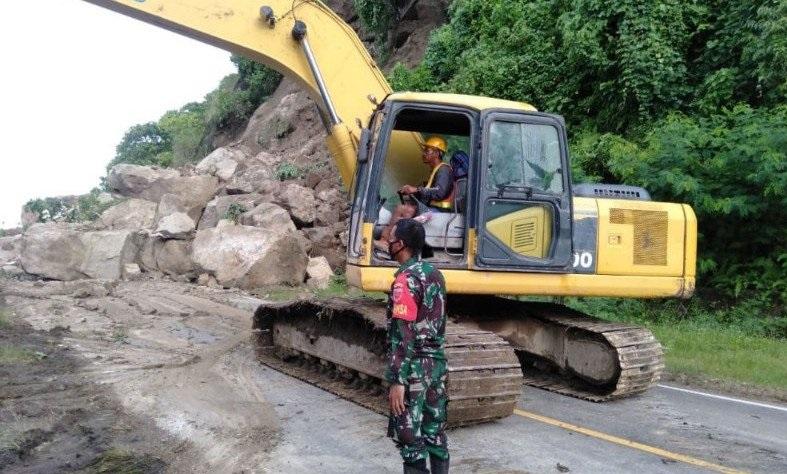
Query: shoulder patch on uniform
[[404, 305]]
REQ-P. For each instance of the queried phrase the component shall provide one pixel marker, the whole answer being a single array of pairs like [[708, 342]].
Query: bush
[[185, 135], [234, 211], [613, 65], [287, 171], [145, 144], [732, 169], [186, 127], [83, 208]]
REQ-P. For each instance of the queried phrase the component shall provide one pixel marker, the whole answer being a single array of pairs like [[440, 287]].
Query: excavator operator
[[438, 191]]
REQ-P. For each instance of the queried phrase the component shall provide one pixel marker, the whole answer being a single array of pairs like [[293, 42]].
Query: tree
[[144, 144]]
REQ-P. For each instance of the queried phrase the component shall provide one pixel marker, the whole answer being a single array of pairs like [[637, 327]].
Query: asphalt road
[[665, 430]]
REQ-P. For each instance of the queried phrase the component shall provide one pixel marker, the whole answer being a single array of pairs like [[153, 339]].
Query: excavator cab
[[514, 205]]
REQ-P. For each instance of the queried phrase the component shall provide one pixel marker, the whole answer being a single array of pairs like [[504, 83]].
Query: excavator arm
[[302, 39]]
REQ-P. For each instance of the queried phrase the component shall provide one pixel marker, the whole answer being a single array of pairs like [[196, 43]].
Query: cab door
[[524, 205]]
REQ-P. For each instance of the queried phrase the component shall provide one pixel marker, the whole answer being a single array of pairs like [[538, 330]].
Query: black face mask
[[390, 249]]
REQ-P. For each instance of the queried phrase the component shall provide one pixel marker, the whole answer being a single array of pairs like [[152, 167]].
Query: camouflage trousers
[[420, 430]]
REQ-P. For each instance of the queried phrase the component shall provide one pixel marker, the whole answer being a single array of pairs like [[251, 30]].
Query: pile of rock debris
[[229, 221]]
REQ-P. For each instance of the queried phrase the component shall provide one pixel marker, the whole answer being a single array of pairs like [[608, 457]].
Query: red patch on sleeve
[[404, 305]]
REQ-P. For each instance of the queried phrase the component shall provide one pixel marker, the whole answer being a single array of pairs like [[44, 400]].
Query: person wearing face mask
[[417, 366]]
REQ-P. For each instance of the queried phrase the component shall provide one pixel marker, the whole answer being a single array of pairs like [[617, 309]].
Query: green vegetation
[[87, 207], [722, 343], [286, 171], [723, 353], [686, 99], [17, 355], [234, 211], [116, 460], [338, 288], [5, 318], [120, 335], [186, 135]]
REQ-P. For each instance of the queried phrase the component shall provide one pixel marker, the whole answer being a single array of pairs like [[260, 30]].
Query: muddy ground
[[136, 377], [157, 376]]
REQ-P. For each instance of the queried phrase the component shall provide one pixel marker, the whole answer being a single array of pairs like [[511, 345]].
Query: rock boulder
[[169, 204], [300, 202], [152, 184], [268, 216], [130, 214], [249, 257], [173, 257], [108, 252], [54, 251], [11, 247], [222, 163], [175, 226], [319, 273], [217, 209], [139, 181]]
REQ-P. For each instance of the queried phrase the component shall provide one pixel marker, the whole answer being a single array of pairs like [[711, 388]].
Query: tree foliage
[[185, 135], [617, 65], [685, 98], [144, 144]]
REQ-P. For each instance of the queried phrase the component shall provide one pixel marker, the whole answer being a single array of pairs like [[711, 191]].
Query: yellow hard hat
[[436, 142]]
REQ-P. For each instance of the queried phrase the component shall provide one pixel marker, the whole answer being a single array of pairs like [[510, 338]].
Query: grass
[[13, 355], [5, 318], [723, 353], [120, 335], [338, 288], [736, 344], [117, 460]]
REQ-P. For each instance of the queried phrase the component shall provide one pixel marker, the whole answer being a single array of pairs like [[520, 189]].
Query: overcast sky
[[75, 77]]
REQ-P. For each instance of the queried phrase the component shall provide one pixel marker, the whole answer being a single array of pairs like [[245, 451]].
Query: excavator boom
[[264, 32]]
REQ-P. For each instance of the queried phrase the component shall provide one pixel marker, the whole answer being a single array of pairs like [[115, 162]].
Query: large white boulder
[[249, 257], [173, 257], [268, 216], [300, 202], [64, 252], [129, 214], [54, 251], [319, 273], [175, 226], [152, 184], [222, 163], [169, 204], [139, 181], [108, 252]]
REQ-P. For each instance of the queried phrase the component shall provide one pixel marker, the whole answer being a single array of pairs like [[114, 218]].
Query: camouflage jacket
[[416, 318]]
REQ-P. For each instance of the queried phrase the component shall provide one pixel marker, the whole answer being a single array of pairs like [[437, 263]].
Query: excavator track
[[339, 346], [568, 352]]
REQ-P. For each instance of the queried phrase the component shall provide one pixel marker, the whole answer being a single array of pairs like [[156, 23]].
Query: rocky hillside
[[264, 208]]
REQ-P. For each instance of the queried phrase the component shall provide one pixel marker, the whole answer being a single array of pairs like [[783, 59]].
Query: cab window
[[523, 155]]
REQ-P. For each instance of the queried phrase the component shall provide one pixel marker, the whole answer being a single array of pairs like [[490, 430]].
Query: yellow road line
[[627, 443]]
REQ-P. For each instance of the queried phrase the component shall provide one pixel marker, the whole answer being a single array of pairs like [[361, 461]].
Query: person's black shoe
[[418, 467], [439, 466]]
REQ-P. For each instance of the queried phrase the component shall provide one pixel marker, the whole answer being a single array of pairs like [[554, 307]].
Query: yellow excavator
[[518, 225]]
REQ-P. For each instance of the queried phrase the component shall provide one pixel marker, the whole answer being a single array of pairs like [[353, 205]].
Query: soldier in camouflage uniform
[[417, 366]]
